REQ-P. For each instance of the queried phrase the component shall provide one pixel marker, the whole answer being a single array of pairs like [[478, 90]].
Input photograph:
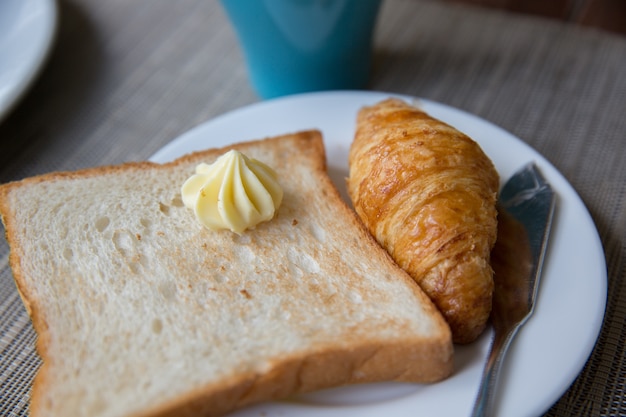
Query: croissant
[[427, 193]]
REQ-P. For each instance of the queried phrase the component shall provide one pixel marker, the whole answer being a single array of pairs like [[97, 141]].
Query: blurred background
[[609, 15]]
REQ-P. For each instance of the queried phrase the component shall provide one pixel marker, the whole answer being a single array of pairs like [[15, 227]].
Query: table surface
[[124, 78]]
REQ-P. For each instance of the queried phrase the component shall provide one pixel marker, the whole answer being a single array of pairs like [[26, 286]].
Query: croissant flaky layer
[[427, 193]]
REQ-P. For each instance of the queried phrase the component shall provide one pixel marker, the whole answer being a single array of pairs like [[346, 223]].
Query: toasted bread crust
[[312, 372]]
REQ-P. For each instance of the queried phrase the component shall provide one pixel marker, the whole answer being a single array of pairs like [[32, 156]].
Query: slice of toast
[[140, 311]]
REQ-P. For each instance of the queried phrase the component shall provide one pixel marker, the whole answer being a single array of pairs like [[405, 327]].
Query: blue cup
[[296, 46]]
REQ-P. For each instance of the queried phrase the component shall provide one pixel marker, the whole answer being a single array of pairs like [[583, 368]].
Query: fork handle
[[484, 405]]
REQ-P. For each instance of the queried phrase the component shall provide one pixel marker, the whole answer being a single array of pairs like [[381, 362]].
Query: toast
[[140, 311]]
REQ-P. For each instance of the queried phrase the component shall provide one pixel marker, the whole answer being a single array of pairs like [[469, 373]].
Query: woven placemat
[[125, 78]]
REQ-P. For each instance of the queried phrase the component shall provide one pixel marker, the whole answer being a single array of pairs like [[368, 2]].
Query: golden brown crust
[[427, 192], [365, 363]]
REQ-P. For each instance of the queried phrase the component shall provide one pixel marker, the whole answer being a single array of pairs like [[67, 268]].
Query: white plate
[[550, 350], [26, 32]]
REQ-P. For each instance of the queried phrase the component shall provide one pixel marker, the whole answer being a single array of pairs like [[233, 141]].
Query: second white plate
[[26, 34]]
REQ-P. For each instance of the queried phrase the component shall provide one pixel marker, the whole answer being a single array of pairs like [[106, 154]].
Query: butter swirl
[[235, 193]]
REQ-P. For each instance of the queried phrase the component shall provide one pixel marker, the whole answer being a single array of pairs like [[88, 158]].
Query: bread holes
[[135, 267], [177, 202], [168, 290], [146, 223], [303, 262], [124, 242], [318, 233], [68, 254], [245, 255], [157, 326], [102, 223], [164, 208]]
